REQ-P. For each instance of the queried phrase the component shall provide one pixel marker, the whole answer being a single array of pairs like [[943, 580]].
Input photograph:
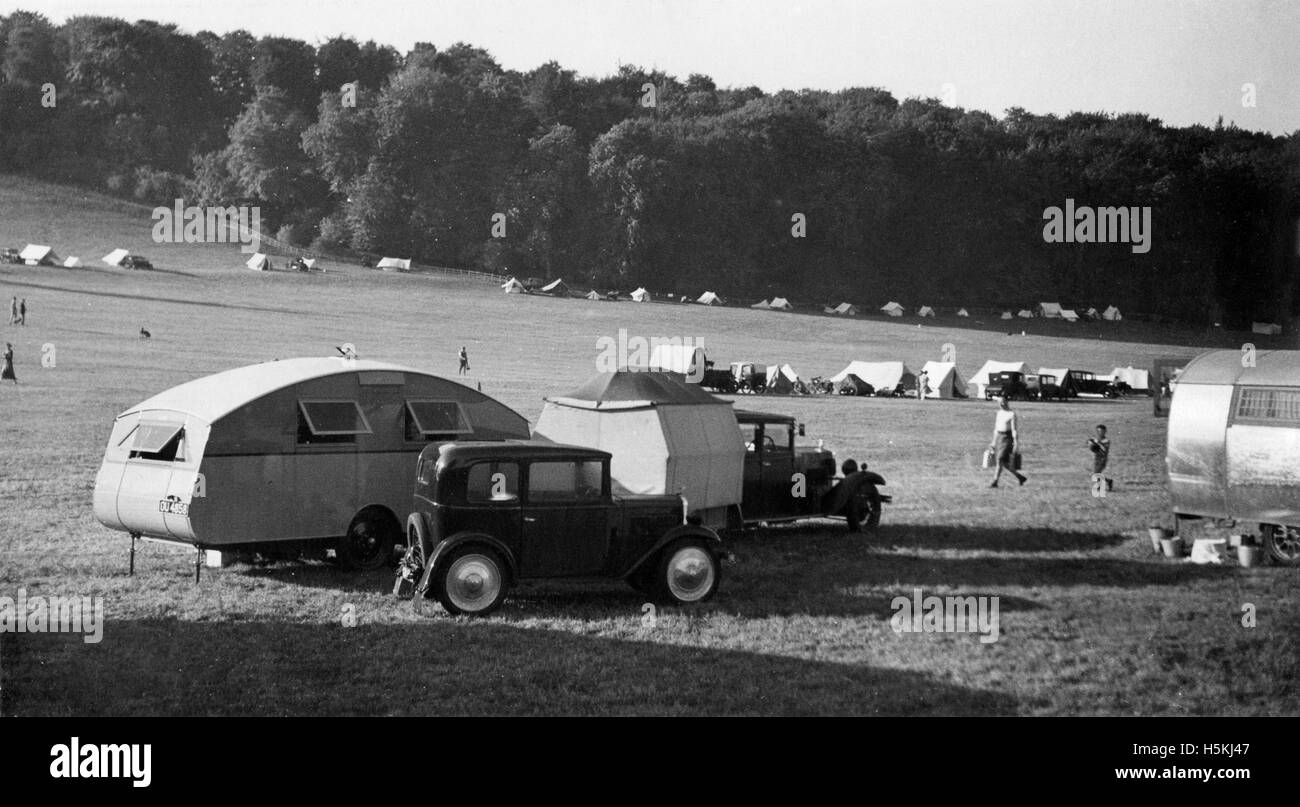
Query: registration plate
[[173, 507]]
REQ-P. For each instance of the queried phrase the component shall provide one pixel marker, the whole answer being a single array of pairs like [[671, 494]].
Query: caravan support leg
[[198, 563], [131, 571]]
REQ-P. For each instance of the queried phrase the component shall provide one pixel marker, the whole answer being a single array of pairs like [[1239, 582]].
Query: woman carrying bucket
[[1006, 442]]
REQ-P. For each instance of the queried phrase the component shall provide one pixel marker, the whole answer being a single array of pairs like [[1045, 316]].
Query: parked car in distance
[[1045, 387], [487, 515], [1007, 383], [9, 255], [718, 380], [750, 377], [1089, 384], [135, 262]]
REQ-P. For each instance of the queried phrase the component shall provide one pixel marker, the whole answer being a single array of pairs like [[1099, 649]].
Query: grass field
[[1091, 621]]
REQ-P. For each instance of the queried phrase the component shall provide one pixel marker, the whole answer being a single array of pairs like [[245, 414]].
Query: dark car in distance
[[1089, 384], [1007, 384], [488, 515], [135, 262]]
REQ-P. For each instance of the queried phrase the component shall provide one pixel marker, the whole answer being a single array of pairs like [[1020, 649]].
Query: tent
[[72, 262], [1025, 313], [782, 379], [1138, 380], [780, 304], [1092, 313], [844, 309], [981, 377], [310, 263], [884, 376], [1111, 313], [38, 255], [709, 298], [852, 385], [557, 286], [513, 286], [1069, 315], [1006, 315], [115, 257], [892, 308], [594, 295], [641, 295], [762, 304], [1049, 310], [394, 264], [925, 311], [665, 437], [258, 263], [943, 380], [961, 312], [1063, 379], [1267, 328]]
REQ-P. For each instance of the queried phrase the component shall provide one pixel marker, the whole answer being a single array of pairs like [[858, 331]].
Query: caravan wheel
[[369, 541], [1282, 544]]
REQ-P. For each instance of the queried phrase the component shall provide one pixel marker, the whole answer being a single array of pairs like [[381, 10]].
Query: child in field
[[1100, 448], [8, 372], [464, 361]]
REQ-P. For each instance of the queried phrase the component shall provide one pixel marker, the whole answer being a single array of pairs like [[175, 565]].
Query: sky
[[1181, 62]]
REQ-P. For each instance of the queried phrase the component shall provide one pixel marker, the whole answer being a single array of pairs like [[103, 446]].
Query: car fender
[[420, 523], [677, 533], [461, 539], [838, 497]]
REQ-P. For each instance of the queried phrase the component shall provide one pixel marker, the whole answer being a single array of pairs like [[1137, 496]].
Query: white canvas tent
[[943, 380], [72, 262], [115, 257], [892, 308], [780, 304], [594, 295], [512, 286], [641, 295], [38, 254], [394, 264], [981, 377], [1025, 313], [781, 378], [761, 305], [1139, 380], [1006, 315], [1049, 310], [258, 263], [709, 298], [844, 309], [665, 437], [1069, 315], [1111, 313], [310, 263], [1267, 328], [1092, 313], [961, 312], [557, 286], [882, 375], [925, 311]]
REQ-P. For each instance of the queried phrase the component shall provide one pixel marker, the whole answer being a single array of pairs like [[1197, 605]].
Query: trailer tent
[[665, 437], [394, 264], [293, 450], [893, 309], [115, 257], [981, 377], [258, 263], [884, 376], [513, 286], [944, 380], [38, 255]]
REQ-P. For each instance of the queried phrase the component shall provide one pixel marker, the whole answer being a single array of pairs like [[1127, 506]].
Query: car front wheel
[[471, 581], [688, 572]]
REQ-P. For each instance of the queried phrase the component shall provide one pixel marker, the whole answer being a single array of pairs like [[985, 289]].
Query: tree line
[[643, 179]]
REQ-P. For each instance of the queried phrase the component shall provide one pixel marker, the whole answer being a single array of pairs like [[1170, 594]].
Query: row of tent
[[42, 255], [894, 309], [260, 262], [558, 288]]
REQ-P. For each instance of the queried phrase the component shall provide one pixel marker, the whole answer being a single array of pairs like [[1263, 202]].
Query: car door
[[752, 486], [565, 519], [778, 469]]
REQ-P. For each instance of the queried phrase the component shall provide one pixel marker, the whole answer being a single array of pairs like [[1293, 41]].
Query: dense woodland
[[680, 188]]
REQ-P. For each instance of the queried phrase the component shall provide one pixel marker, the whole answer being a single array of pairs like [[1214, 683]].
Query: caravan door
[[145, 497]]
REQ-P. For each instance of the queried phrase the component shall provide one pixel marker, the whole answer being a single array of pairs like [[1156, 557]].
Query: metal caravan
[[286, 456], [1234, 444]]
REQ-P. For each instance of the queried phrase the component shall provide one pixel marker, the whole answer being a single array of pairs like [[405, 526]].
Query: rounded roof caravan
[[1234, 444], [299, 451]]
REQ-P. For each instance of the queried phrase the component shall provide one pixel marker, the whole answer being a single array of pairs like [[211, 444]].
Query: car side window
[[750, 433], [564, 481], [778, 438], [493, 483]]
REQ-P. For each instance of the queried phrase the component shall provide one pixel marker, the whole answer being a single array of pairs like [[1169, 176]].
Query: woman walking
[[8, 371], [1006, 442]]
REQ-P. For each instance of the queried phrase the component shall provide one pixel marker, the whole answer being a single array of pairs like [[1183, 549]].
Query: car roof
[[750, 416], [463, 453]]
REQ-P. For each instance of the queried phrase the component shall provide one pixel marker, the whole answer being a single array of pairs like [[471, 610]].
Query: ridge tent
[[1138, 380], [1025, 313], [852, 385], [1267, 328], [38, 255], [397, 264], [115, 257], [761, 304], [1092, 313], [1006, 315], [981, 377], [943, 380], [594, 295], [72, 263], [640, 295], [1069, 315], [557, 286], [1049, 310], [884, 376], [513, 286], [709, 298], [782, 379], [780, 304], [665, 437], [1112, 314], [925, 311], [845, 309], [892, 308], [961, 312], [258, 263]]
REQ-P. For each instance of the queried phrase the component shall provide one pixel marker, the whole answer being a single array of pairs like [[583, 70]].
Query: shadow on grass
[[443, 667], [155, 299], [931, 536]]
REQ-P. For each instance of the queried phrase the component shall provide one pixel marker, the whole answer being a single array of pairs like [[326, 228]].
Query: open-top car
[[488, 515]]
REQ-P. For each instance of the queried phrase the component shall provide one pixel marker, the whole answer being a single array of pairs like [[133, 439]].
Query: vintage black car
[[773, 493], [490, 514], [1046, 387], [1089, 384], [1009, 384], [135, 262]]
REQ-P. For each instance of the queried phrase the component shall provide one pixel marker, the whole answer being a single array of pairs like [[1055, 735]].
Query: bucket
[[1157, 535], [1248, 556], [1173, 547]]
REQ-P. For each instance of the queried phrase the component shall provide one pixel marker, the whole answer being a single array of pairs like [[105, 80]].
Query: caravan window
[[157, 441], [1268, 407], [330, 422], [435, 420]]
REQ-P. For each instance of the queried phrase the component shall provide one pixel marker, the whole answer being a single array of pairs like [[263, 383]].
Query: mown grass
[[1091, 621]]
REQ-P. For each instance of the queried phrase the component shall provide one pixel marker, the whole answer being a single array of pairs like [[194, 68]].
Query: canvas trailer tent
[[394, 264], [287, 456], [1233, 449], [943, 380], [1025, 313], [885, 377], [991, 367], [39, 255], [665, 437], [1006, 315], [892, 308]]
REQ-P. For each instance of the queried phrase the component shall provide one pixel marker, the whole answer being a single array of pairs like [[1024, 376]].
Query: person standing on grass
[[464, 361], [13, 310], [1100, 448], [1006, 442], [22, 311], [8, 371], [922, 385]]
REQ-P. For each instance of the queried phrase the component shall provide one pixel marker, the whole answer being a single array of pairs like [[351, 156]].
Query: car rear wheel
[[1282, 544], [688, 572], [369, 542], [863, 512], [471, 580]]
